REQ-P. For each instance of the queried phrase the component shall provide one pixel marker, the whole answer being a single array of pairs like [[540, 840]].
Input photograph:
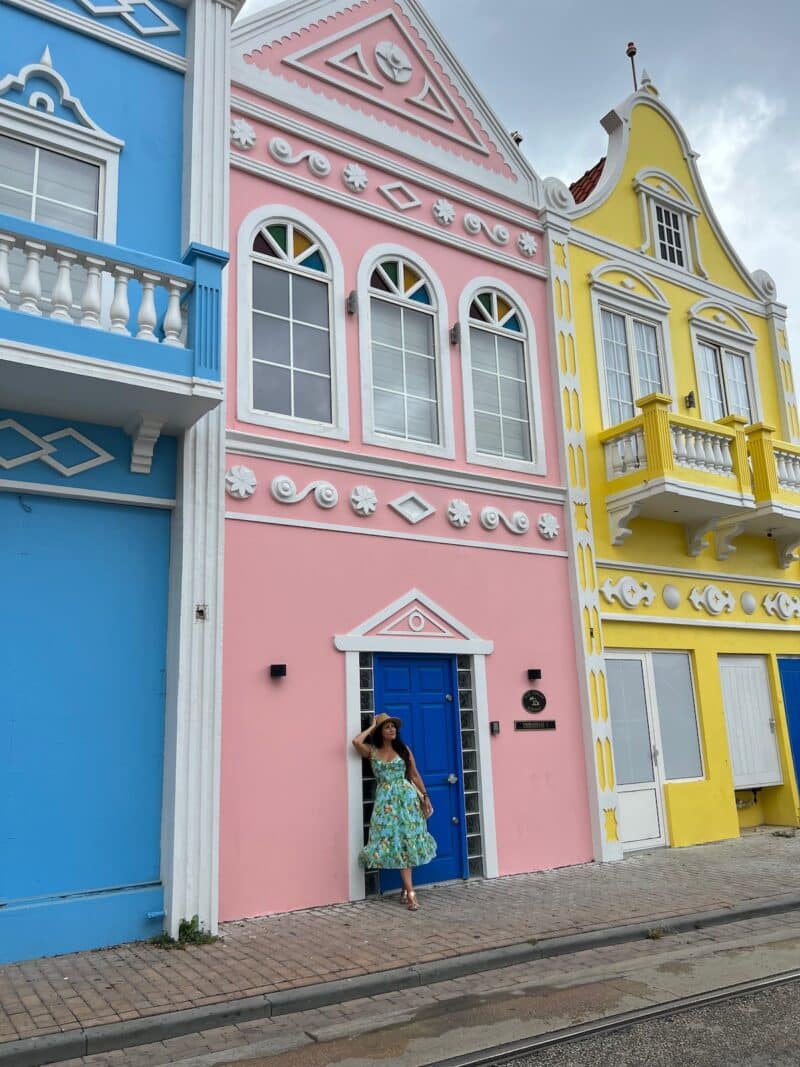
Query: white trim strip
[[270, 520], [76, 493], [491, 866], [655, 568], [355, 799], [789, 628], [84, 25], [455, 646]]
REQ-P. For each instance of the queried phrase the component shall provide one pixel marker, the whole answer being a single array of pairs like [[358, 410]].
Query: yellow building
[[682, 447]]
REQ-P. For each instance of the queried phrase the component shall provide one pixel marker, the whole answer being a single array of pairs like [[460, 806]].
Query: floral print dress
[[398, 836]]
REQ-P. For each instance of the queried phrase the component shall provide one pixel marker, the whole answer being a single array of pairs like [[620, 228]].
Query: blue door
[[421, 690], [82, 639], [790, 683]]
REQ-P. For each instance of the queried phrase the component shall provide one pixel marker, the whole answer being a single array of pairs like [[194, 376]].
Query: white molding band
[[676, 572], [788, 628], [76, 493]]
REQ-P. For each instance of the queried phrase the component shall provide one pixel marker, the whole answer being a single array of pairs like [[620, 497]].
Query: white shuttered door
[[750, 720]]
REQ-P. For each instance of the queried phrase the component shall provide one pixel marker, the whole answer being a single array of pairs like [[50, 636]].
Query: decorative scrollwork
[[557, 195], [628, 592], [473, 224], [281, 150], [491, 517], [765, 284], [284, 491], [713, 599], [783, 605]]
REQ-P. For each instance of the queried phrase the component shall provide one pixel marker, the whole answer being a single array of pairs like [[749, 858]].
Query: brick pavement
[[302, 948]]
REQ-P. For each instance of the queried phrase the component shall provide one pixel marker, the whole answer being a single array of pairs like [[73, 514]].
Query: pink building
[[395, 535]]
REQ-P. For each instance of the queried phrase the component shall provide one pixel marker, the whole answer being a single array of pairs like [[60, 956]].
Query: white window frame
[[445, 449], [654, 187], [338, 428], [652, 309], [536, 407], [89, 144], [684, 249], [739, 339]]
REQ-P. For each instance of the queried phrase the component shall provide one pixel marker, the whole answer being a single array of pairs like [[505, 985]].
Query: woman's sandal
[[411, 900], [403, 896]]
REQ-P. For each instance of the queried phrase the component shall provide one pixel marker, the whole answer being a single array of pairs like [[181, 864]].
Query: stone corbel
[[620, 517], [725, 536], [785, 548], [144, 431], [696, 535]]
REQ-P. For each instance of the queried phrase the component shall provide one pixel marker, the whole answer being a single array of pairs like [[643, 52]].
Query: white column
[[190, 846]]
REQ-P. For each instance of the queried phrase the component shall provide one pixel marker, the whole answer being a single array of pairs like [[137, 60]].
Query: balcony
[[666, 466], [105, 334]]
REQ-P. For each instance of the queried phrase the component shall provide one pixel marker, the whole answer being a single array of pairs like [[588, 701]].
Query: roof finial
[[47, 59], [630, 52]]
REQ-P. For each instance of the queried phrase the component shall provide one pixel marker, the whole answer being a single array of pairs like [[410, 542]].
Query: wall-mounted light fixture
[[689, 401], [455, 334], [534, 674], [494, 727], [351, 303], [277, 670]]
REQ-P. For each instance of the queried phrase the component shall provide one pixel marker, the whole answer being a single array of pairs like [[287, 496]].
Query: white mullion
[[497, 377], [35, 193], [405, 379], [291, 336]]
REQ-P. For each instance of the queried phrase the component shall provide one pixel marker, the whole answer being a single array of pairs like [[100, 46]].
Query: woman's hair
[[400, 747]]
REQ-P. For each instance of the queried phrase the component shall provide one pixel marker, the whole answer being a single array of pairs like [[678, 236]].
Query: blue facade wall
[[164, 36]]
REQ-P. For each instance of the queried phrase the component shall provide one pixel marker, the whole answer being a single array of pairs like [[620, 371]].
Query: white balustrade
[[49, 280], [788, 464], [625, 453], [701, 449]]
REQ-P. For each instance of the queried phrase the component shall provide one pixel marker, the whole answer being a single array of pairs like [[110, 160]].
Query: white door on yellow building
[[750, 718], [655, 737]]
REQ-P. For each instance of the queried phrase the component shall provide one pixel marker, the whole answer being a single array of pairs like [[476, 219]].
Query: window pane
[[311, 349], [488, 435], [511, 358], [618, 374], [387, 367], [14, 203], [513, 398], [629, 727], [69, 180], [270, 338], [736, 385], [418, 332], [483, 350], [677, 715], [270, 289], [389, 413], [272, 389], [16, 164], [516, 440], [485, 392], [646, 340], [312, 397], [422, 421], [386, 323], [309, 301], [710, 385], [66, 218], [421, 376]]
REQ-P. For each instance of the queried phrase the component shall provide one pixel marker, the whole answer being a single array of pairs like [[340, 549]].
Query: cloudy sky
[[729, 69]]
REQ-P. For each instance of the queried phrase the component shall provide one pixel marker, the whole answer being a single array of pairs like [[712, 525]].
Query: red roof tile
[[585, 185]]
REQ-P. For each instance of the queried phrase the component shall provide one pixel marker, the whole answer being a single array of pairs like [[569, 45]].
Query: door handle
[[655, 754], [448, 697], [772, 725], [452, 779], [455, 820]]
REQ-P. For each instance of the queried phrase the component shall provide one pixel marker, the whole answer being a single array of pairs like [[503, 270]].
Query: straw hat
[[383, 717]]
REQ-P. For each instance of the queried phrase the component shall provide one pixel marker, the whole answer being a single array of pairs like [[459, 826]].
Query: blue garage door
[[789, 667], [83, 636]]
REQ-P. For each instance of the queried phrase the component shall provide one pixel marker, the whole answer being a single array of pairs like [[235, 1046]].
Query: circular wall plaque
[[534, 701]]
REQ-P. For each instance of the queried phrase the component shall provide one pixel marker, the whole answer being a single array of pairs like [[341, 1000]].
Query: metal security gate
[[83, 639]]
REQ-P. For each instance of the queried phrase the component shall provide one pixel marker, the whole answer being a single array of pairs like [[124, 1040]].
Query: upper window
[[669, 220], [291, 333], [669, 235], [632, 362], [500, 403], [405, 388], [49, 187], [724, 382]]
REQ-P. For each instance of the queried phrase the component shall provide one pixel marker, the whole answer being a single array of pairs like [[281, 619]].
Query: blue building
[[113, 230]]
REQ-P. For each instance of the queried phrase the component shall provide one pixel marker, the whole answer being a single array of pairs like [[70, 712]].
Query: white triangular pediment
[[379, 68]]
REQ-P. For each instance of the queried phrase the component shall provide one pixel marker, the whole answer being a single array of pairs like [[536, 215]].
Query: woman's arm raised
[[360, 742]]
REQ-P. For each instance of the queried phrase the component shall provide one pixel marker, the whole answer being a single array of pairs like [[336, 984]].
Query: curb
[[52, 1048]]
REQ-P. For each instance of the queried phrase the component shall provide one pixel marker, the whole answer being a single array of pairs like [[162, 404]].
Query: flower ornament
[[363, 500], [242, 133], [547, 526], [355, 178], [392, 62], [458, 513], [240, 483], [526, 243], [444, 212]]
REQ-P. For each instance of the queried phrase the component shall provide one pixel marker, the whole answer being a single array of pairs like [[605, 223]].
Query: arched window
[[499, 377], [405, 379], [291, 324]]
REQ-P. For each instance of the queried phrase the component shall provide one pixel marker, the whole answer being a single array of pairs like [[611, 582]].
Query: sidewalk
[[265, 958]]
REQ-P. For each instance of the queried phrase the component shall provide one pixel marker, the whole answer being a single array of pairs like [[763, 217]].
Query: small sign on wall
[[534, 724], [534, 701]]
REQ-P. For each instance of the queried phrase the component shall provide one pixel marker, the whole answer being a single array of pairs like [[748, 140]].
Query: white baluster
[[146, 318], [691, 452], [629, 460], [92, 301], [716, 451], [679, 445], [62, 290], [795, 472], [120, 311], [613, 459], [7, 242], [727, 458], [30, 289], [780, 462], [173, 319]]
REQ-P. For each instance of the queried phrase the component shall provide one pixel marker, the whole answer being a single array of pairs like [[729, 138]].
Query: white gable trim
[[466, 643]]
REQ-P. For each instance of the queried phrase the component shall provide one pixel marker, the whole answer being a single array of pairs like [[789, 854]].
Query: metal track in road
[[504, 1053]]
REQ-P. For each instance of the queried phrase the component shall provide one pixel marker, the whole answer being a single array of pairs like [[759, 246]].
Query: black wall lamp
[[688, 400], [494, 728], [534, 674], [277, 670], [455, 334], [351, 303]]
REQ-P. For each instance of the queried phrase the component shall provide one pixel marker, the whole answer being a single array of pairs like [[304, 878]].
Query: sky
[[728, 69]]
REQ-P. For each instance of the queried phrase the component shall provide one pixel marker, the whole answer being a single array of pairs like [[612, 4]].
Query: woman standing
[[398, 837]]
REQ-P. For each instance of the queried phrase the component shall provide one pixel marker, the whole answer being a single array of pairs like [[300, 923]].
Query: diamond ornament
[[412, 507]]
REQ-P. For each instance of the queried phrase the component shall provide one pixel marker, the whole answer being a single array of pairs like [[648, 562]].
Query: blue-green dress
[[398, 836]]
